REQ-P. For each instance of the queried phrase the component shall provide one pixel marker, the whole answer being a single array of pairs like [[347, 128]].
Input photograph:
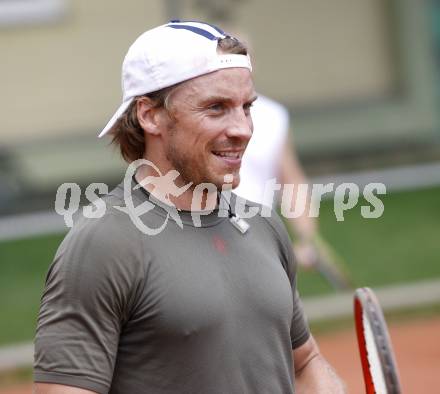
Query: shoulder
[[269, 116], [109, 232], [264, 106], [101, 246], [283, 238], [268, 219], [112, 229]]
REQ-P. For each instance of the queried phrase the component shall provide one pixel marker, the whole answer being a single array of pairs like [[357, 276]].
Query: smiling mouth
[[229, 155]]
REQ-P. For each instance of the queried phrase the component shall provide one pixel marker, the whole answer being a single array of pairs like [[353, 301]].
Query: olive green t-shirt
[[195, 309]]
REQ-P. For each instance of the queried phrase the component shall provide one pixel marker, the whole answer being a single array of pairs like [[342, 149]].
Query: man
[[197, 308]]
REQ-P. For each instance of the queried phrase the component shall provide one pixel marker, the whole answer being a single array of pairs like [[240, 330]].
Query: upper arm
[[87, 298], [48, 388], [313, 374], [291, 171], [299, 329], [303, 354]]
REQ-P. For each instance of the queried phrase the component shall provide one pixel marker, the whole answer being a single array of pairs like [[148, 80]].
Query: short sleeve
[[89, 289], [299, 329]]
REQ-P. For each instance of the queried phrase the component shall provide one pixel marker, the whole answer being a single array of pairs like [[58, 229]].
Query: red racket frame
[[365, 301]]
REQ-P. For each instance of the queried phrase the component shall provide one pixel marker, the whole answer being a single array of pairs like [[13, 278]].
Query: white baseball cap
[[169, 54]]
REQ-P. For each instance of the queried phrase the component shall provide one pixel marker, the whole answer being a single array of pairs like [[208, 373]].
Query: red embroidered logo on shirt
[[219, 244]]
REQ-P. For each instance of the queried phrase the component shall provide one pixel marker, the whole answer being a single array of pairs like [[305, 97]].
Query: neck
[[172, 190]]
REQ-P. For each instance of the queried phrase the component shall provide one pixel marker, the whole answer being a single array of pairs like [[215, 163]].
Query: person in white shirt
[[270, 155]]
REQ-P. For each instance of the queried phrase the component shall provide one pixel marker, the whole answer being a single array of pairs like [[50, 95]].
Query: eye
[[216, 107], [247, 107]]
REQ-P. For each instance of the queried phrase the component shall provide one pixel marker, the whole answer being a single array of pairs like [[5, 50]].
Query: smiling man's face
[[212, 126]]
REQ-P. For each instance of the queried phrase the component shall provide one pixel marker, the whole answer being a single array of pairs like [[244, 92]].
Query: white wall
[[316, 51], [62, 78]]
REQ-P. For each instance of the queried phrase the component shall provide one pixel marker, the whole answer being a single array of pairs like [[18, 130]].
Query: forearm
[[317, 376], [303, 228]]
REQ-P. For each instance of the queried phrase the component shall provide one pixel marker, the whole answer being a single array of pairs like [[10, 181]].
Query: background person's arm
[[313, 374], [304, 227], [49, 388], [291, 172], [311, 249]]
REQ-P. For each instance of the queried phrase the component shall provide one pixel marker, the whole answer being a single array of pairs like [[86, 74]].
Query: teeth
[[234, 155]]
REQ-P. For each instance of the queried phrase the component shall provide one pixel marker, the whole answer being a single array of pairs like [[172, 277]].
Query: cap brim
[[115, 117]]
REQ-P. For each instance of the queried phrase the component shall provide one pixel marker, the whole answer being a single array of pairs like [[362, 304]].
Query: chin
[[235, 182], [218, 180]]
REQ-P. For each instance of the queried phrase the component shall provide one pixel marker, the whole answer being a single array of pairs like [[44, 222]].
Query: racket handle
[[331, 266]]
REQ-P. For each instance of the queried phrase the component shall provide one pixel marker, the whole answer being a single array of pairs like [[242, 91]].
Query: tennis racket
[[377, 358]]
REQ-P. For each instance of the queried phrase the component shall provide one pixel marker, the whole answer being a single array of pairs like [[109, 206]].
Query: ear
[[149, 116]]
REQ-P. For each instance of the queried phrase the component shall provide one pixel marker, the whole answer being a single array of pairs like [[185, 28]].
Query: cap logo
[[196, 30]]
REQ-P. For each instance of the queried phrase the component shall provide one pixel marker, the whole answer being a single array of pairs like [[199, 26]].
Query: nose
[[240, 125]]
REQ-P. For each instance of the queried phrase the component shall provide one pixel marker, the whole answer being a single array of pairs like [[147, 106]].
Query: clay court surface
[[417, 350], [416, 345]]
